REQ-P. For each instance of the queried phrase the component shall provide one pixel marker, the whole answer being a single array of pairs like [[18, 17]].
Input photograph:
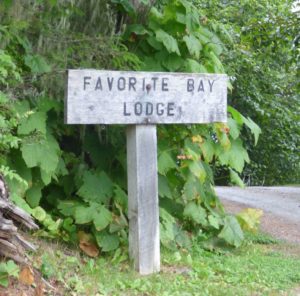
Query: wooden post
[[143, 210]]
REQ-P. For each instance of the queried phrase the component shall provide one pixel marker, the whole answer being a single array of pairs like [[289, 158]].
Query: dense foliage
[[263, 59], [73, 178]]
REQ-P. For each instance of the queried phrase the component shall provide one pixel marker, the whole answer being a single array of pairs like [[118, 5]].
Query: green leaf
[[12, 268], [235, 157], [84, 215], [37, 64], [214, 221], [249, 219], [163, 187], [120, 196], [255, 129], [39, 214], [34, 195], [168, 41], [4, 279], [237, 116], [196, 213], [190, 188], [193, 66], [232, 232], [165, 163], [234, 129], [167, 229], [193, 45], [68, 207], [152, 41], [101, 218], [107, 242], [235, 178], [198, 170], [7, 269], [46, 177], [96, 187], [137, 29], [34, 122], [44, 154], [173, 62], [68, 225], [208, 150]]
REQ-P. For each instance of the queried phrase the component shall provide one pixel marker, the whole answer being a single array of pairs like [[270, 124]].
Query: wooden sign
[[114, 97], [142, 100]]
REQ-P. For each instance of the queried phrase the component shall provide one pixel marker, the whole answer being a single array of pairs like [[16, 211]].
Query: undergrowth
[[256, 268]]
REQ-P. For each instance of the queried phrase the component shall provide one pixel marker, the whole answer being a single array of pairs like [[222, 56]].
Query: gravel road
[[281, 206]]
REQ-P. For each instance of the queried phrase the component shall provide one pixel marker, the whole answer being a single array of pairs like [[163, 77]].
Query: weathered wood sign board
[[112, 97], [142, 100]]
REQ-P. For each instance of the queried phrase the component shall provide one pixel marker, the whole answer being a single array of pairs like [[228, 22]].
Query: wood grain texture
[[12, 244], [116, 97], [143, 208]]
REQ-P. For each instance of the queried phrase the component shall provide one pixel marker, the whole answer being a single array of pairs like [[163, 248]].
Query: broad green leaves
[[193, 44], [177, 41], [169, 42], [196, 213], [107, 242], [95, 213], [238, 121], [43, 154], [8, 269], [96, 187], [232, 232], [235, 157], [37, 64], [165, 163], [34, 122]]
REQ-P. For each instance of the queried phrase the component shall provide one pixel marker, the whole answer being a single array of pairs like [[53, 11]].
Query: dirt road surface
[[281, 206]]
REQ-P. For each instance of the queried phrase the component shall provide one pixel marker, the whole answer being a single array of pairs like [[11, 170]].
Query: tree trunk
[[12, 244]]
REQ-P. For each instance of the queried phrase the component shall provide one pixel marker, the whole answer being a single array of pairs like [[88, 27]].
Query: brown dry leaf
[[86, 245], [26, 276], [89, 248]]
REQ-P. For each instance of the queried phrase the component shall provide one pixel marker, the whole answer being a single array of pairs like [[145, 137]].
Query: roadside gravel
[[281, 206]]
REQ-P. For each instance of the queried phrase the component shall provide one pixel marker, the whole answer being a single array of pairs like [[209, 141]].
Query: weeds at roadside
[[259, 267]]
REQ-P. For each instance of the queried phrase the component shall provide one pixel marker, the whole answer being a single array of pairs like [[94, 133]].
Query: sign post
[[141, 100]]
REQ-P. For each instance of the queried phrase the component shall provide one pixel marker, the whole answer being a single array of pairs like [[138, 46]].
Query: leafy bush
[[75, 175], [263, 60]]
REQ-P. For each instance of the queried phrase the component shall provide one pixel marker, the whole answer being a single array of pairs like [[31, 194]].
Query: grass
[[262, 266]]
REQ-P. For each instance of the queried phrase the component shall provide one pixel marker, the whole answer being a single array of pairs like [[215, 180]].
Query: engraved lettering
[[154, 79], [125, 112], [164, 84], [132, 83], [121, 83], [201, 86], [85, 81], [98, 84], [138, 108], [110, 82], [149, 108], [190, 85], [211, 83], [170, 109], [160, 110]]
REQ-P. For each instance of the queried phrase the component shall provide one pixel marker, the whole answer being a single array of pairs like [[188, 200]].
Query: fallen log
[[12, 243]]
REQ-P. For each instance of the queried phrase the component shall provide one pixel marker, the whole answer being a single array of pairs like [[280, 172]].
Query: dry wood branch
[[12, 244]]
